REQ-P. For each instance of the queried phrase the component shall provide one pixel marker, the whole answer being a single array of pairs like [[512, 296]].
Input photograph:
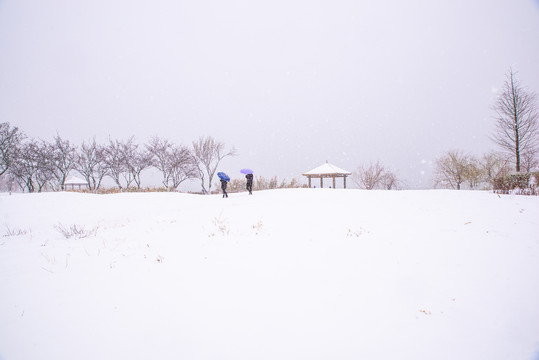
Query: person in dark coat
[[223, 187], [249, 178]]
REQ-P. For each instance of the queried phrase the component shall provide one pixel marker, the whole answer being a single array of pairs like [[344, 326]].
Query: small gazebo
[[327, 170], [75, 183]]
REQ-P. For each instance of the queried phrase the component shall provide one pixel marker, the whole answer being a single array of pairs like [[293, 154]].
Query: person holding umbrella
[[249, 183], [224, 182], [249, 176], [223, 187]]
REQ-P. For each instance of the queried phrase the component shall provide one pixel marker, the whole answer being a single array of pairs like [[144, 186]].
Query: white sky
[[290, 84]]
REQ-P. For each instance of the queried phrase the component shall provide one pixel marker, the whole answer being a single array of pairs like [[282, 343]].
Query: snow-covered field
[[283, 274]]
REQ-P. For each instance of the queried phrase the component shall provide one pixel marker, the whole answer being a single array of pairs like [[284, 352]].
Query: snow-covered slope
[[283, 274]]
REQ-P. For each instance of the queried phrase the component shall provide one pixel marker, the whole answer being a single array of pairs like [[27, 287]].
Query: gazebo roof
[[327, 169], [75, 181]]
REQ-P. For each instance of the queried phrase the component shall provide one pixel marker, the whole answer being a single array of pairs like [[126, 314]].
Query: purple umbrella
[[246, 171]]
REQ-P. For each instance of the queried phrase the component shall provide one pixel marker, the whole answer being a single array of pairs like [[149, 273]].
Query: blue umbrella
[[223, 176], [246, 171]]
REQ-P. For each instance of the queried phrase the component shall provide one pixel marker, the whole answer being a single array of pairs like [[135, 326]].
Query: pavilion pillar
[[344, 181], [334, 182], [309, 181], [321, 182]]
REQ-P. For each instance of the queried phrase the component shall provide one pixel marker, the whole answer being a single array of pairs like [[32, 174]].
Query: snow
[[282, 274], [327, 169]]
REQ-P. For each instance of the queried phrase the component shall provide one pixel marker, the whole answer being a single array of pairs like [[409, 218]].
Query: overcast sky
[[289, 83]]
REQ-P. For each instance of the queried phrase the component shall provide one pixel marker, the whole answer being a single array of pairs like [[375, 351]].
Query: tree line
[[516, 136], [34, 165], [513, 165], [458, 170]]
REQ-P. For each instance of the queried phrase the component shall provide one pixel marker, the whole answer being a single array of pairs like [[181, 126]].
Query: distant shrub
[[235, 185], [260, 183], [521, 184]]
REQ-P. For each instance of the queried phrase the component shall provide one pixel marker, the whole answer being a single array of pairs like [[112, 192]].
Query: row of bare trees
[[32, 164], [516, 135], [35, 164], [458, 170]]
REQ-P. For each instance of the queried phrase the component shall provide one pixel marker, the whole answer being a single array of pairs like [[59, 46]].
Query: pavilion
[[327, 170], [75, 183]]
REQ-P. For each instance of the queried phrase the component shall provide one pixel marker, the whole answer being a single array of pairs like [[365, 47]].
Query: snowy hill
[[283, 274]]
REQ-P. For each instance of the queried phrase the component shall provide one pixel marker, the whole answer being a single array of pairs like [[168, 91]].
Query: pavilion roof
[[327, 169], [73, 180]]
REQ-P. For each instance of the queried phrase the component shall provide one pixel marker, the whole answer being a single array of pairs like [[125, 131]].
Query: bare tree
[[160, 150], [137, 160], [390, 181], [473, 172], [182, 165], [25, 165], [175, 162], [529, 161], [369, 177], [451, 169], [516, 121], [45, 165], [493, 165], [64, 157], [115, 161], [35, 165], [10, 140], [125, 162], [91, 164], [208, 154]]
